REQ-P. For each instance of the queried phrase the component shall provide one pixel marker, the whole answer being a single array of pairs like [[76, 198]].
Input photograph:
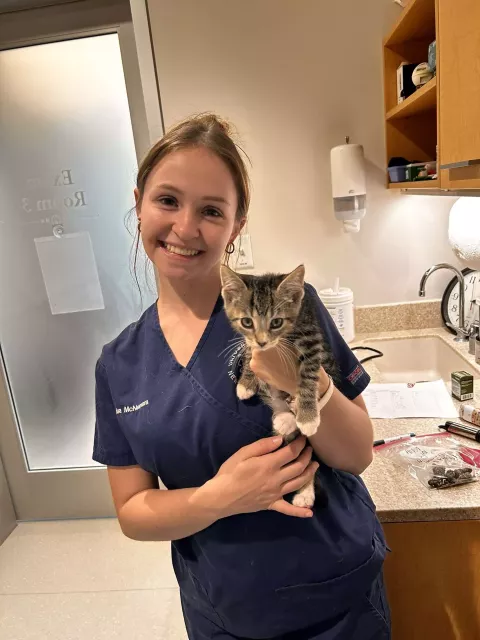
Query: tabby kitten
[[276, 311]]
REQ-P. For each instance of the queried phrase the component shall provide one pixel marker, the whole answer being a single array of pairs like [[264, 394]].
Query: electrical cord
[[376, 352]]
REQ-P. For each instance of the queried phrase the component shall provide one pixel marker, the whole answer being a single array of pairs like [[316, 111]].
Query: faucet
[[462, 333]]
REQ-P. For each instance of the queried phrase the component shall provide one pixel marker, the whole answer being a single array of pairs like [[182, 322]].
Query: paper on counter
[[402, 400]]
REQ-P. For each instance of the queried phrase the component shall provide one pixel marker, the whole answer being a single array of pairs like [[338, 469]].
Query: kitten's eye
[[247, 323], [276, 323]]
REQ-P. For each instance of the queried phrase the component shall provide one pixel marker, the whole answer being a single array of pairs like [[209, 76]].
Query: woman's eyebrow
[[171, 187]]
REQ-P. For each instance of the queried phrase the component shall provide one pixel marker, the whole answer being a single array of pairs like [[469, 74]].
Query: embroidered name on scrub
[[133, 407]]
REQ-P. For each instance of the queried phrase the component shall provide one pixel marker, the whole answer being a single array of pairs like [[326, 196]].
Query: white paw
[[305, 497], [308, 428], [284, 424], [243, 393]]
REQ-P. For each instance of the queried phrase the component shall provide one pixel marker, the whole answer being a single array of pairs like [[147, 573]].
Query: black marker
[[461, 430], [377, 443]]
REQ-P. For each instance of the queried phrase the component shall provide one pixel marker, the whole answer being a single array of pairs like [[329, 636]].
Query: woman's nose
[[186, 224]]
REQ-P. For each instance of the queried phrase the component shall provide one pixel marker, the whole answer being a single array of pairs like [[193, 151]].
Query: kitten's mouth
[[175, 250]]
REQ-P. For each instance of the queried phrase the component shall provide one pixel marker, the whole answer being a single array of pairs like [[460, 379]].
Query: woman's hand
[[258, 476], [279, 368]]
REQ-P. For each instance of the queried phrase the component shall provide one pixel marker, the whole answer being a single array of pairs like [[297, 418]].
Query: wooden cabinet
[[433, 579], [440, 121], [458, 28]]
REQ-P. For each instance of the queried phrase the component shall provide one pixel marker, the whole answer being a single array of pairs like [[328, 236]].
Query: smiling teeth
[[182, 252]]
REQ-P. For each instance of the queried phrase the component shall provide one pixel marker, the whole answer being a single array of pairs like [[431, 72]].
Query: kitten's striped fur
[[259, 300]]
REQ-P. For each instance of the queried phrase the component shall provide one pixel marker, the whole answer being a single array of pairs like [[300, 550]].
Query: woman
[[249, 564]]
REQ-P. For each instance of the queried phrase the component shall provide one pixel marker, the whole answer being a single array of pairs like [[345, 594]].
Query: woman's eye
[[276, 323], [212, 213], [247, 323], [167, 201]]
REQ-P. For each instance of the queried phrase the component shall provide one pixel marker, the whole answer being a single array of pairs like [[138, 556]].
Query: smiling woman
[[225, 511]]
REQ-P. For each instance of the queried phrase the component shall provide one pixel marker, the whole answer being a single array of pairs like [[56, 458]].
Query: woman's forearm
[[345, 436], [156, 514]]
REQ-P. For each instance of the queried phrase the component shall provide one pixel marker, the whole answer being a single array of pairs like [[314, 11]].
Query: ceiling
[[19, 5]]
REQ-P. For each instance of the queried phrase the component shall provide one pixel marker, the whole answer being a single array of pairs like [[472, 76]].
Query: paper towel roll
[[464, 230]]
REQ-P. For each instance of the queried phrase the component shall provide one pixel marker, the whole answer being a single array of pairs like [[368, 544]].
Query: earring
[[230, 248], [138, 226]]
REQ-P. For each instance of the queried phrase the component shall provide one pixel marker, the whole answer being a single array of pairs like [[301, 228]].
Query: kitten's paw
[[243, 393], [305, 497], [284, 424], [308, 428]]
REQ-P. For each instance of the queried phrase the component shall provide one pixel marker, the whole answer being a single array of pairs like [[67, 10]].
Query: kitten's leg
[[305, 497], [308, 416], [284, 423], [247, 386]]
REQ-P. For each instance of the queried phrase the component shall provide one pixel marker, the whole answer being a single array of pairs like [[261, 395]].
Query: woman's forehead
[[197, 171]]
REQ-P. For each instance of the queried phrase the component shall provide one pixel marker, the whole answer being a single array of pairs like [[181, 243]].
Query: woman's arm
[[344, 439], [147, 513], [253, 479]]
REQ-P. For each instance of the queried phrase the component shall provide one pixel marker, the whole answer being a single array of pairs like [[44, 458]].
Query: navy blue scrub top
[[257, 575]]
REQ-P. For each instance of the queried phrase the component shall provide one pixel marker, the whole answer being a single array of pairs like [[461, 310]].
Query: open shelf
[[423, 99], [418, 184], [416, 22]]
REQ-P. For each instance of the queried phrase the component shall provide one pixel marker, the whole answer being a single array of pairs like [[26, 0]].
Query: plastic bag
[[438, 461]]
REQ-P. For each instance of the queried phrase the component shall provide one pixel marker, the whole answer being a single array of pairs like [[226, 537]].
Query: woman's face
[[188, 213]]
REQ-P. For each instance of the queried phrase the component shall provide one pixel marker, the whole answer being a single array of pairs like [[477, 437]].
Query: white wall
[[296, 76]]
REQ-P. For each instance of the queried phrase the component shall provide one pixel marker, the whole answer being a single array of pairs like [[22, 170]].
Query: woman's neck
[[196, 297]]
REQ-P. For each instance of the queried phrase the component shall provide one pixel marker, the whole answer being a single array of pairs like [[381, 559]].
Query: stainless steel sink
[[416, 359]]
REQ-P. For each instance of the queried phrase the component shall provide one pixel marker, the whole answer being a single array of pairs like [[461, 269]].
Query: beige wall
[[296, 76], [7, 513]]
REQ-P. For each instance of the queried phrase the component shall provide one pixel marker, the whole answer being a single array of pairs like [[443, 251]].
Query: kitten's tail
[[321, 496]]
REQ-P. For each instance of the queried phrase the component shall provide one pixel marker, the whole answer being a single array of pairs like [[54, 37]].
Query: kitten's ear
[[292, 286], [232, 285]]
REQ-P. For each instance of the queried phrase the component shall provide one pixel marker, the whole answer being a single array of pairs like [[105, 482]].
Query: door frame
[[77, 492]]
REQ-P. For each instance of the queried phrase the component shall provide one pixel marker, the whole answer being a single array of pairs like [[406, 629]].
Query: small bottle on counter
[[468, 413], [477, 349]]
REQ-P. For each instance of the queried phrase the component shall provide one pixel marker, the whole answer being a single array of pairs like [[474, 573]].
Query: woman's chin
[[196, 269]]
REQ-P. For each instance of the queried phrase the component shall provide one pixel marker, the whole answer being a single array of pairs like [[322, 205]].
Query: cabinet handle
[[459, 165]]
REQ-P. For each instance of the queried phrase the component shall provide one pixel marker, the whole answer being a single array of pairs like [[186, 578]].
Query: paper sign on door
[[70, 273]]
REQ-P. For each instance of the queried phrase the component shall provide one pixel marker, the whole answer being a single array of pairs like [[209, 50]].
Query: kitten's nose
[[261, 344]]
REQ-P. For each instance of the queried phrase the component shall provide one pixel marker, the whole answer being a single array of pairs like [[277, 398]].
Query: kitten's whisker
[[231, 347], [286, 355]]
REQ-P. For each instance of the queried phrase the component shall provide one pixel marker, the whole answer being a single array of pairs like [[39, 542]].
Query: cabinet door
[[458, 46]]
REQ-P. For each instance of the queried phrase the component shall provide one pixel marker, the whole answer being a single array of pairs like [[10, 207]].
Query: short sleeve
[[353, 377], [110, 446]]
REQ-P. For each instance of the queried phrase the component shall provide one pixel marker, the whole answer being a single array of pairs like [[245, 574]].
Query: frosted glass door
[[67, 171]]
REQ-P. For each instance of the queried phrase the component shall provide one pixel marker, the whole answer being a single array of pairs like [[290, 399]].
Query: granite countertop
[[398, 496]]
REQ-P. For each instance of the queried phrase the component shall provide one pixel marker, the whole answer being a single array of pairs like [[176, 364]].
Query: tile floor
[[83, 579]]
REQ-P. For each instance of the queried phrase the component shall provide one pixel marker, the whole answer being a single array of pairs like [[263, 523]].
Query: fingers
[[282, 506], [259, 448], [297, 467], [298, 482], [289, 453]]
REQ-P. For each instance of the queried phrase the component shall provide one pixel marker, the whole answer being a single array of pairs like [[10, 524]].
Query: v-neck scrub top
[[256, 575]]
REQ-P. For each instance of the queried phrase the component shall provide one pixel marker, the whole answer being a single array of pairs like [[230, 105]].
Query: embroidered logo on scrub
[[133, 407], [234, 361], [356, 374]]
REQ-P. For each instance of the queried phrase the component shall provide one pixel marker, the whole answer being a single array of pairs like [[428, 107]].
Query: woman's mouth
[[179, 251]]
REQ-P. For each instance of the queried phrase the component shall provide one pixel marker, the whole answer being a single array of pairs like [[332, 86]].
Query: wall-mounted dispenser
[[349, 184]]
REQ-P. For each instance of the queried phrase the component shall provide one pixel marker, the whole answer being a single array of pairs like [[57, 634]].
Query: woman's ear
[[136, 194], [237, 229]]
